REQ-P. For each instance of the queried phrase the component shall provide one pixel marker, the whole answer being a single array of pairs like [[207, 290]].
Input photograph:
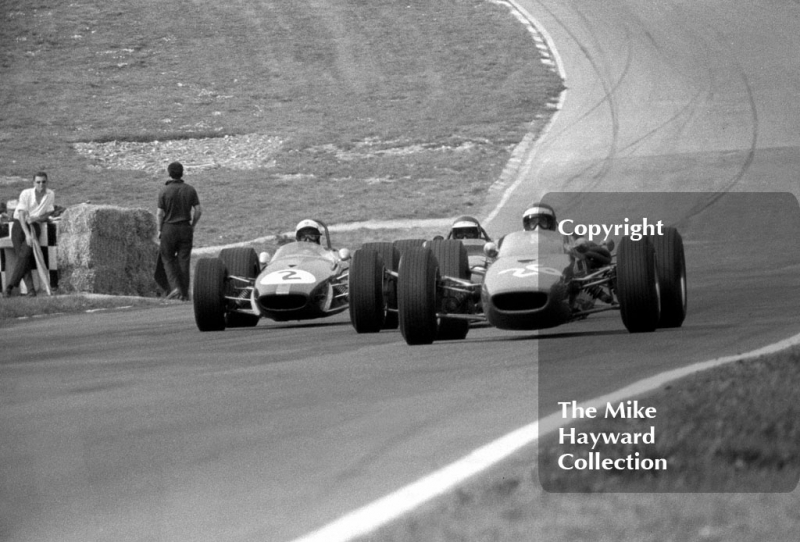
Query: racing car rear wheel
[[671, 269], [208, 294], [240, 262], [453, 262], [391, 259], [367, 303], [416, 295], [637, 285], [404, 244]]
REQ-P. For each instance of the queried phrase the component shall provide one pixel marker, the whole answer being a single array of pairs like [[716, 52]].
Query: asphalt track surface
[[132, 425]]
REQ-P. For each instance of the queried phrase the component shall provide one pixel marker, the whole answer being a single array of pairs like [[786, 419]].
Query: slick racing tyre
[[637, 285], [671, 270], [391, 259], [400, 246], [240, 262], [404, 244], [453, 262], [208, 294], [367, 302], [416, 295]]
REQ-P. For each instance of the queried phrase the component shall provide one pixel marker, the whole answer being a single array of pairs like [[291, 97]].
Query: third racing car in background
[[535, 280], [374, 277]]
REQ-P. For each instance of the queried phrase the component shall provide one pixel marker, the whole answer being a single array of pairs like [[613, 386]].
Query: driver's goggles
[[544, 222]]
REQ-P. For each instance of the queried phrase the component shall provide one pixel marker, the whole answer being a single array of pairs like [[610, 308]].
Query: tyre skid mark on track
[[751, 153], [687, 110], [609, 89]]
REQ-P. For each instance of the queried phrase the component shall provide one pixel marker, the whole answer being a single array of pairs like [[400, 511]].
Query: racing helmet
[[465, 227], [539, 215], [308, 230]]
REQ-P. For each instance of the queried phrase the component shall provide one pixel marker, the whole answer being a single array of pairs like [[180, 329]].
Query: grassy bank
[[342, 110], [715, 433]]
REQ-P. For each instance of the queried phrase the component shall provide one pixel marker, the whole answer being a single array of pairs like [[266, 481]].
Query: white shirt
[[27, 202]]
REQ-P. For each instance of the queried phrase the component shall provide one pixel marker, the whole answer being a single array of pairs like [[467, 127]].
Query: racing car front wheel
[[637, 285], [208, 294], [367, 304], [453, 262], [239, 262], [391, 259], [671, 270], [416, 295]]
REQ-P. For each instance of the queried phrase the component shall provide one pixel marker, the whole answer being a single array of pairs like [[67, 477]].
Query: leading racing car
[[303, 280], [537, 279]]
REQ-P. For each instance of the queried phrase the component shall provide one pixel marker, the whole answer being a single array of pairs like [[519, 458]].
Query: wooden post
[[44, 272]]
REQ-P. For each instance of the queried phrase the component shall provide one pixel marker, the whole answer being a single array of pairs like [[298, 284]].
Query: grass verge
[[343, 110], [716, 434]]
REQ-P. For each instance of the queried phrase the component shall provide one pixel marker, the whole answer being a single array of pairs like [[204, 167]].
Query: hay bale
[[108, 250]]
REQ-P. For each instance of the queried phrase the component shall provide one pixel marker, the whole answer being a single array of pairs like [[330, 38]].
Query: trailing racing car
[[472, 235], [302, 281], [373, 277], [537, 279]]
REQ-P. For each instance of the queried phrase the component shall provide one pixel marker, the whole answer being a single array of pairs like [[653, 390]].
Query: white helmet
[[465, 227], [539, 215], [308, 230]]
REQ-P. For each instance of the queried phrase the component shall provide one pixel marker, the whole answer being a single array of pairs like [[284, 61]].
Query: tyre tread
[[636, 285], [367, 304], [241, 262], [454, 262], [416, 296], [208, 294], [671, 268]]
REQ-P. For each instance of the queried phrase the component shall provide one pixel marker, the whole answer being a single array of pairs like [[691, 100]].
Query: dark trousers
[[176, 253], [26, 261]]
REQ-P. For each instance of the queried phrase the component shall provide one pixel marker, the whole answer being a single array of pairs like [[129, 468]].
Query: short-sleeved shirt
[[177, 199], [27, 202]]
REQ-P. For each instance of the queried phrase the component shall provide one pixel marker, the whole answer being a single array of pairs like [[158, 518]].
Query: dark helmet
[[539, 215], [465, 227], [308, 230]]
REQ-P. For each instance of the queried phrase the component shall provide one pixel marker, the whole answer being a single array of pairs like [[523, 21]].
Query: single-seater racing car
[[303, 280], [537, 279]]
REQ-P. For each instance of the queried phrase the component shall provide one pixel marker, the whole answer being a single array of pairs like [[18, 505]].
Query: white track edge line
[[368, 518], [547, 39]]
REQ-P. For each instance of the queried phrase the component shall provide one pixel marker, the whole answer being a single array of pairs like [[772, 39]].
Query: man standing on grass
[[178, 213]]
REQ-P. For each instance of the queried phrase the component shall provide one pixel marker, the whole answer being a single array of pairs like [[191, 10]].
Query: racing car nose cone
[[285, 302], [520, 301]]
